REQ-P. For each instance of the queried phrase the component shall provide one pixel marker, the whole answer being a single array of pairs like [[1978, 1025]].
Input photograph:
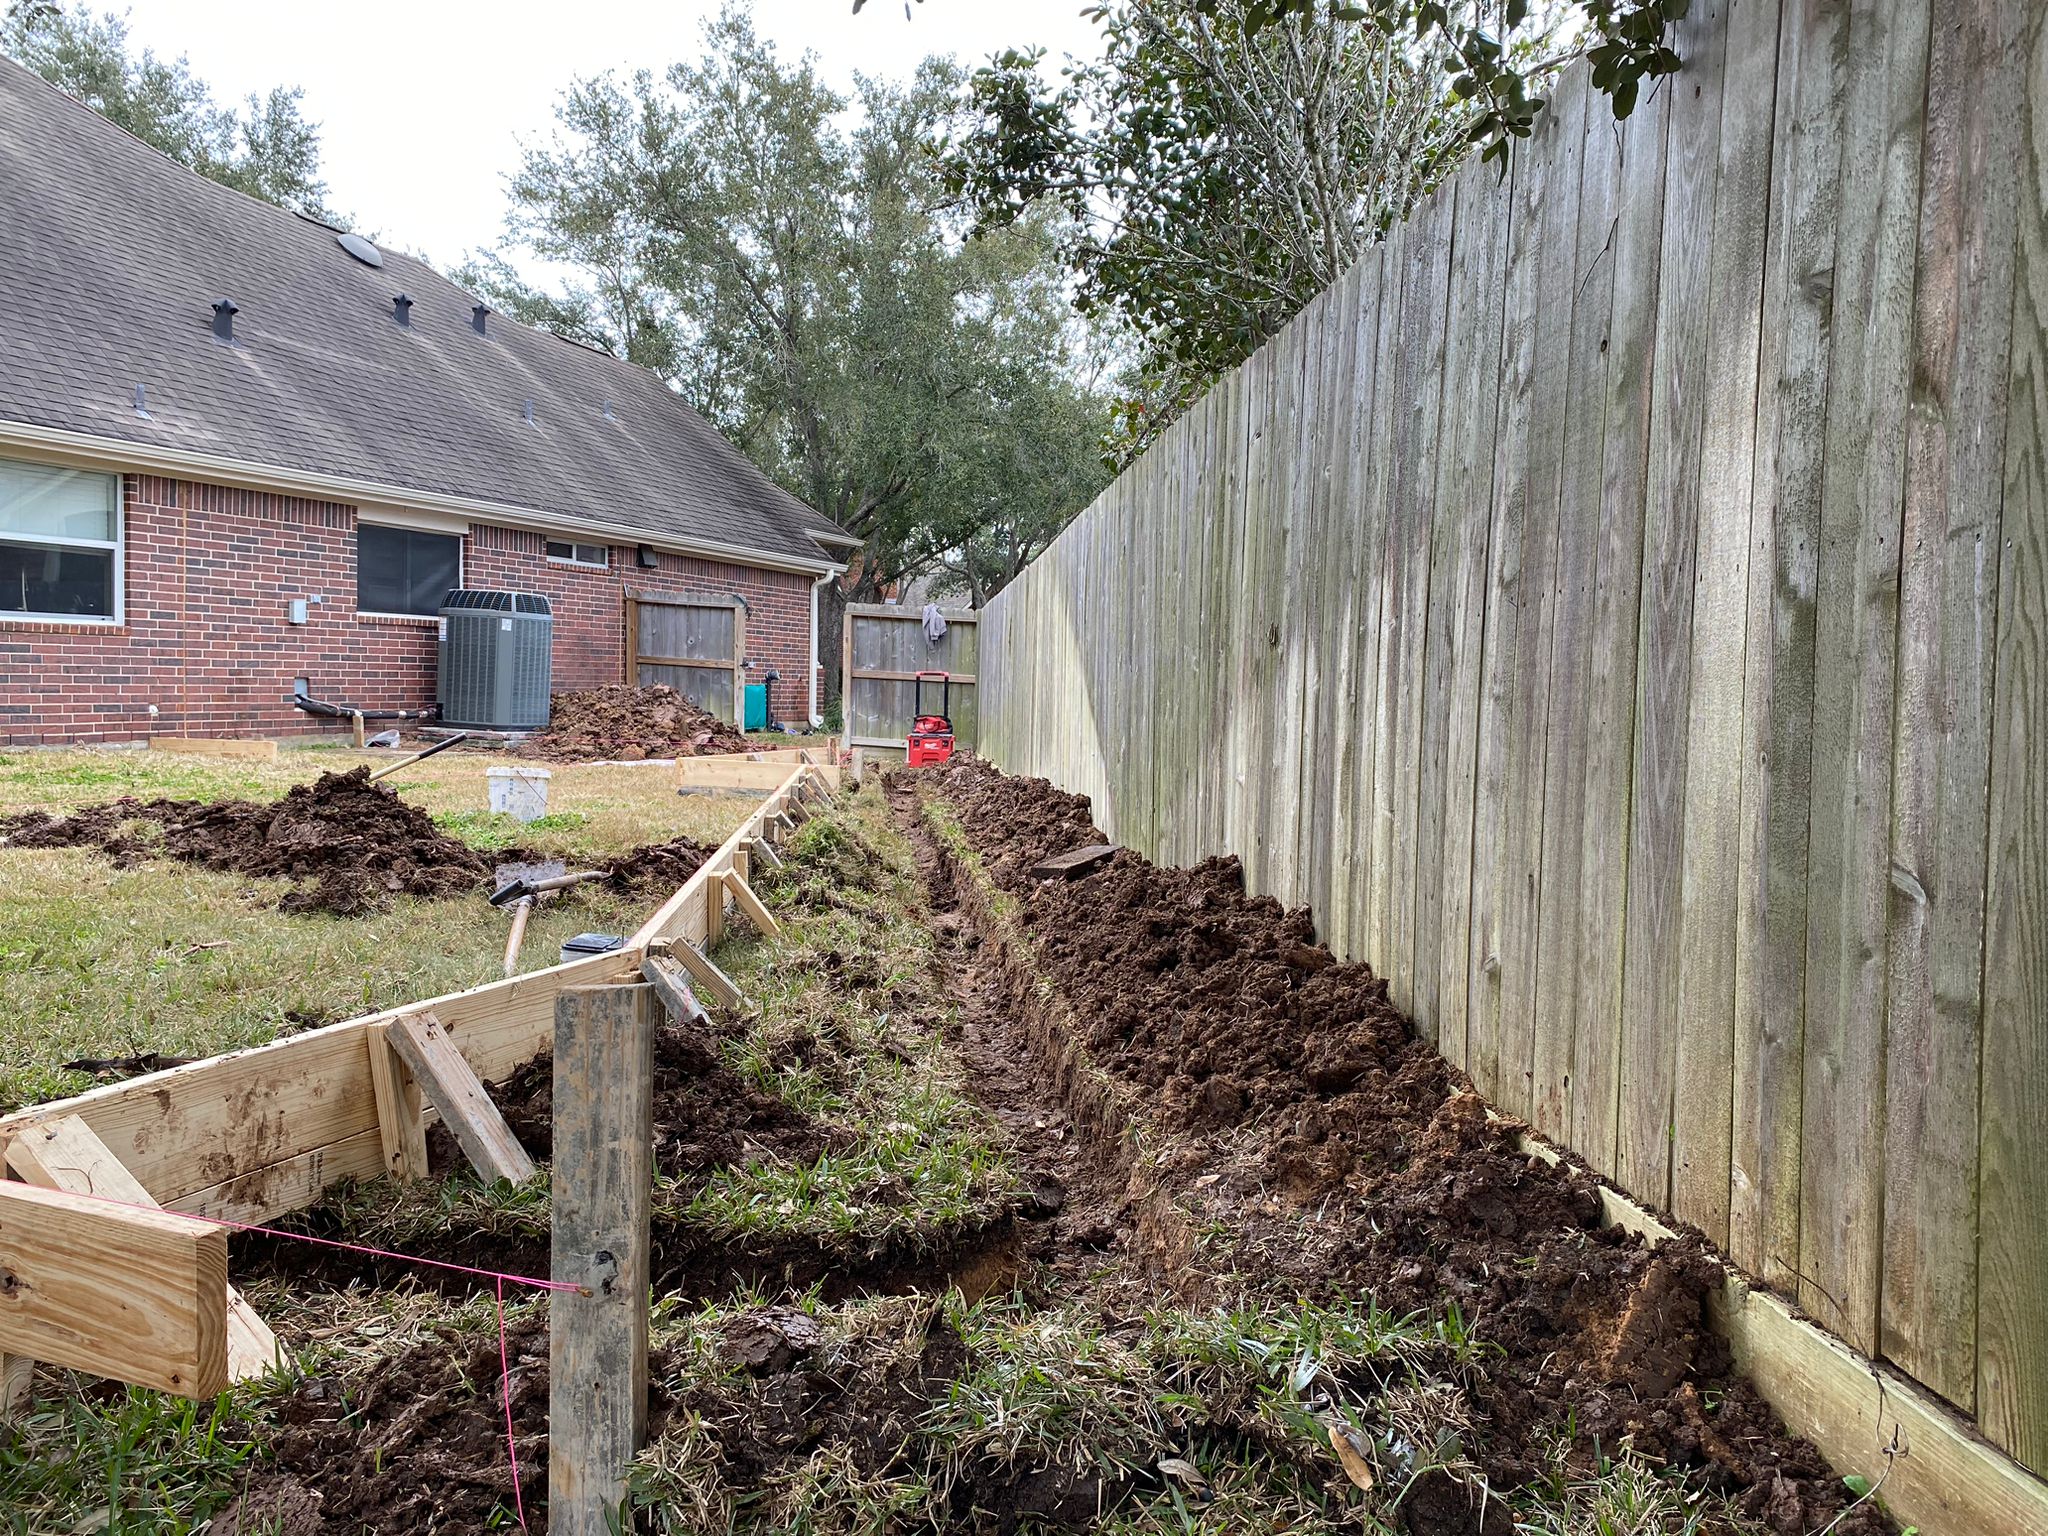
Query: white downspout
[[817, 718]]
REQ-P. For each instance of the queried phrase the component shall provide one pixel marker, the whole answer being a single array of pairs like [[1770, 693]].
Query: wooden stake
[[64, 1154], [603, 1181], [356, 728], [672, 984], [16, 1372], [764, 850], [399, 1122], [699, 965], [446, 1078], [744, 898]]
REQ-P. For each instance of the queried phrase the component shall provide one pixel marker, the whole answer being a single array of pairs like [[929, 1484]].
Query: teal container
[[757, 708]]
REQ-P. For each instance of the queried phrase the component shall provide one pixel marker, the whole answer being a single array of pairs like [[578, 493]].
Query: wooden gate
[[884, 649], [696, 645]]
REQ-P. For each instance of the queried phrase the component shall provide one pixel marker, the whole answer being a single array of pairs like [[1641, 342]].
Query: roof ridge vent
[[401, 311], [224, 312], [476, 318]]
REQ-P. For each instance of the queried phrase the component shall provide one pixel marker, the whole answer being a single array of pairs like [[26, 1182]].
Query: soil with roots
[[623, 723], [348, 845], [1296, 1107]]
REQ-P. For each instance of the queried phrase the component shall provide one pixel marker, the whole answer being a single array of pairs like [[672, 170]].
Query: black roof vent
[[401, 311], [476, 317], [224, 312], [361, 249]]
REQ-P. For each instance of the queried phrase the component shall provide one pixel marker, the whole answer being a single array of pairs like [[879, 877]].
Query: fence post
[[603, 1184]]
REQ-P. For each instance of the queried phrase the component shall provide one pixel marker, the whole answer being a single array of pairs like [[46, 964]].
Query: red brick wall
[[210, 572]]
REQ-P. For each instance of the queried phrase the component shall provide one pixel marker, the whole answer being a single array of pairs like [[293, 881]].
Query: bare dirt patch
[[1297, 1111], [349, 845], [623, 723]]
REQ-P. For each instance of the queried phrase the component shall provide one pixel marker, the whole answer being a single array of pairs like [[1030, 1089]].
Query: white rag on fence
[[934, 623]]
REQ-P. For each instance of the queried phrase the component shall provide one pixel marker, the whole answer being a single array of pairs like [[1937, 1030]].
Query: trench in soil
[[1204, 1117]]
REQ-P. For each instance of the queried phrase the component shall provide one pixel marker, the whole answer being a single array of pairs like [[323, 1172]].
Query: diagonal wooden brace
[[452, 1086], [65, 1154], [671, 984], [698, 964], [744, 898]]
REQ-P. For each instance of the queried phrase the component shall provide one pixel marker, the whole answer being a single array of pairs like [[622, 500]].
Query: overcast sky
[[422, 104]]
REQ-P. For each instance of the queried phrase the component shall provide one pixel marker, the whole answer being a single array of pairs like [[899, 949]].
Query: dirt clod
[[349, 845], [626, 724]]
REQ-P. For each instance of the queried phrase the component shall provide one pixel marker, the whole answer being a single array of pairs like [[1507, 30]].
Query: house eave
[[87, 450]]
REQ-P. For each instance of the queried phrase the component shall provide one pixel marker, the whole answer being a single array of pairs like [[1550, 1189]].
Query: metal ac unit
[[497, 656]]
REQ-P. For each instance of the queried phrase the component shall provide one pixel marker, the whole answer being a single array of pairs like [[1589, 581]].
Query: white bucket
[[521, 792]]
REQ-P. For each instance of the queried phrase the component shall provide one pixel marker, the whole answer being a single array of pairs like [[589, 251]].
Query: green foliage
[[1224, 161], [786, 258], [493, 830], [266, 149]]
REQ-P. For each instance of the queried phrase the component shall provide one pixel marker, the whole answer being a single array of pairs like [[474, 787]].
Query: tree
[[787, 260], [267, 150]]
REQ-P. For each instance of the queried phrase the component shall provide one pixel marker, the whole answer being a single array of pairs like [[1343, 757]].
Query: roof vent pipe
[[529, 413], [476, 317], [224, 312], [401, 311], [141, 402]]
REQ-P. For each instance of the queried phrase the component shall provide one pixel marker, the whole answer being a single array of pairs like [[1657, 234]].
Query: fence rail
[[1620, 607]]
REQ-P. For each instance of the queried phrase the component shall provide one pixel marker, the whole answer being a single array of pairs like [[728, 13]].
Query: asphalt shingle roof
[[111, 256]]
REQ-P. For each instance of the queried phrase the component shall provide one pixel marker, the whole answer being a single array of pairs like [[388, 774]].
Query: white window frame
[[118, 544], [570, 559], [461, 562]]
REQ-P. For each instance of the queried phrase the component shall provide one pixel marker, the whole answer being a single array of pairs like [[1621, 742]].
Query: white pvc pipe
[[817, 718]]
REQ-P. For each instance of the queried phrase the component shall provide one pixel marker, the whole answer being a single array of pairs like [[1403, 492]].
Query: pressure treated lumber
[[602, 1196], [225, 746], [446, 1078], [63, 1154], [707, 975], [138, 1295], [672, 984], [756, 912], [401, 1121]]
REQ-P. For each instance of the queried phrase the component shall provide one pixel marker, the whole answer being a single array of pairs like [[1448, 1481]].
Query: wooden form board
[[138, 1295], [696, 644], [743, 775], [883, 649], [1617, 608]]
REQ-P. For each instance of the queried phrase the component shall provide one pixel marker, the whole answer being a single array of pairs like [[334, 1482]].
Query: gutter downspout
[[817, 719]]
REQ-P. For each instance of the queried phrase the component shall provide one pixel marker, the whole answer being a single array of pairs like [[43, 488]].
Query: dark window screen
[[399, 570], [57, 581]]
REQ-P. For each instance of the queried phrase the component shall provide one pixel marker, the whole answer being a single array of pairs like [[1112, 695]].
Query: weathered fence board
[[1620, 606]]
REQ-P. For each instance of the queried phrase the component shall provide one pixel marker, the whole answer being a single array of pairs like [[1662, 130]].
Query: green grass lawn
[[184, 961]]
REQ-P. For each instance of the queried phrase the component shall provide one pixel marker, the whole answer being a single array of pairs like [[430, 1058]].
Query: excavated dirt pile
[[656, 871], [625, 723], [1294, 1106], [349, 844]]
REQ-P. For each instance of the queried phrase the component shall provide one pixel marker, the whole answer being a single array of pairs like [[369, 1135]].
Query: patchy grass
[[183, 961]]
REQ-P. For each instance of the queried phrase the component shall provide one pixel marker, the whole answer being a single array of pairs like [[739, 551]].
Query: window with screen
[[60, 543], [579, 554], [405, 571]]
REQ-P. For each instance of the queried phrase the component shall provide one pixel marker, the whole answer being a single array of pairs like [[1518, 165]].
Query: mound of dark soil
[[420, 1447], [351, 845], [1301, 1110], [623, 722], [656, 871], [706, 1115]]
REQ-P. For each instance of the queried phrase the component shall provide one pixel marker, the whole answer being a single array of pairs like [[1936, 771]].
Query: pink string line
[[497, 1277]]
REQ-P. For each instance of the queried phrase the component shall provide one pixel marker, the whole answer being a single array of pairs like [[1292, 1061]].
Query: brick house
[[241, 453]]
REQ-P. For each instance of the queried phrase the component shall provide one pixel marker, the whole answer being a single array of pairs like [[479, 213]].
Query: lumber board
[[1703, 1112], [223, 746], [137, 1295], [1849, 856], [601, 1240], [2012, 1315], [63, 1154], [401, 1123], [1074, 862], [1656, 853], [752, 906], [672, 984], [1560, 794], [1595, 1099], [446, 1078], [1770, 970], [707, 974]]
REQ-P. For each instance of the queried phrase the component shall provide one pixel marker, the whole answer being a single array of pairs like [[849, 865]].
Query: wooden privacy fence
[[696, 645], [885, 647], [1620, 607]]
